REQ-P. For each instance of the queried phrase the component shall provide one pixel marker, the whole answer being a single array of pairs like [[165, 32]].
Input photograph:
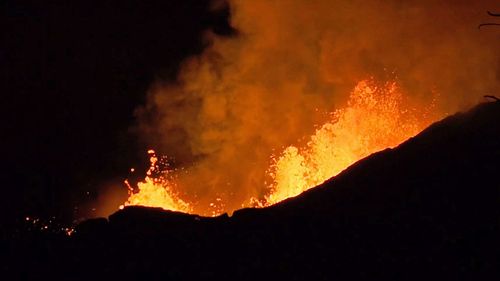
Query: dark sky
[[74, 72]]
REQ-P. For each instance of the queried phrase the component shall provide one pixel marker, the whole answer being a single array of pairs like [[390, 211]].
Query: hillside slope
[[428, 208]]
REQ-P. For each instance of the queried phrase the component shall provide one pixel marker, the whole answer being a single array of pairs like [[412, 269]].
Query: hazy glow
[[376, 117], [239, 124]]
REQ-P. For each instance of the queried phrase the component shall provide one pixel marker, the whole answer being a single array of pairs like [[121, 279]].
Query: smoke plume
[[249, 95]]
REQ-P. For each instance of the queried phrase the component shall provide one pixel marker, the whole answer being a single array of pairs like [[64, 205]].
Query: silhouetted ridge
[[427, 208]]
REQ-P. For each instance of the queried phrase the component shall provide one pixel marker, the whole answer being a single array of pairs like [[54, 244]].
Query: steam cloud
[[248, 96]]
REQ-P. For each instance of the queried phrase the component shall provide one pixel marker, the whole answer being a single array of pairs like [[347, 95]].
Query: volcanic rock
[[429, 208]]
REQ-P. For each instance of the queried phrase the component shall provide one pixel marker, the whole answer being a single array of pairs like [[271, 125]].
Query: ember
[[377, 116], [295, 97]]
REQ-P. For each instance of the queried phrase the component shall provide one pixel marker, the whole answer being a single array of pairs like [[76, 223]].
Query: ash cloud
[[247, 96]]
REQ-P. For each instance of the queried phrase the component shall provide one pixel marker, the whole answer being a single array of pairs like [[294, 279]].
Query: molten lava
[[157, 189], [377, 116]]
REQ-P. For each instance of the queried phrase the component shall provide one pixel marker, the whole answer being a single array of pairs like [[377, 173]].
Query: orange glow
[[238, 122], [156, 190], [376, 117]]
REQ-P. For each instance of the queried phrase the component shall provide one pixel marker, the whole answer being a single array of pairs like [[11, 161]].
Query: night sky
[[74, 74]]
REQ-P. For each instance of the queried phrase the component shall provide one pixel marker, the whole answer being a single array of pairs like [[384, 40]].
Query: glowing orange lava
[[156, 190], [377, 116]]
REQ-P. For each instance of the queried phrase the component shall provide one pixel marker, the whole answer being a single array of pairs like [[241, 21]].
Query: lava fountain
[[301, 91], [377, 116]]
